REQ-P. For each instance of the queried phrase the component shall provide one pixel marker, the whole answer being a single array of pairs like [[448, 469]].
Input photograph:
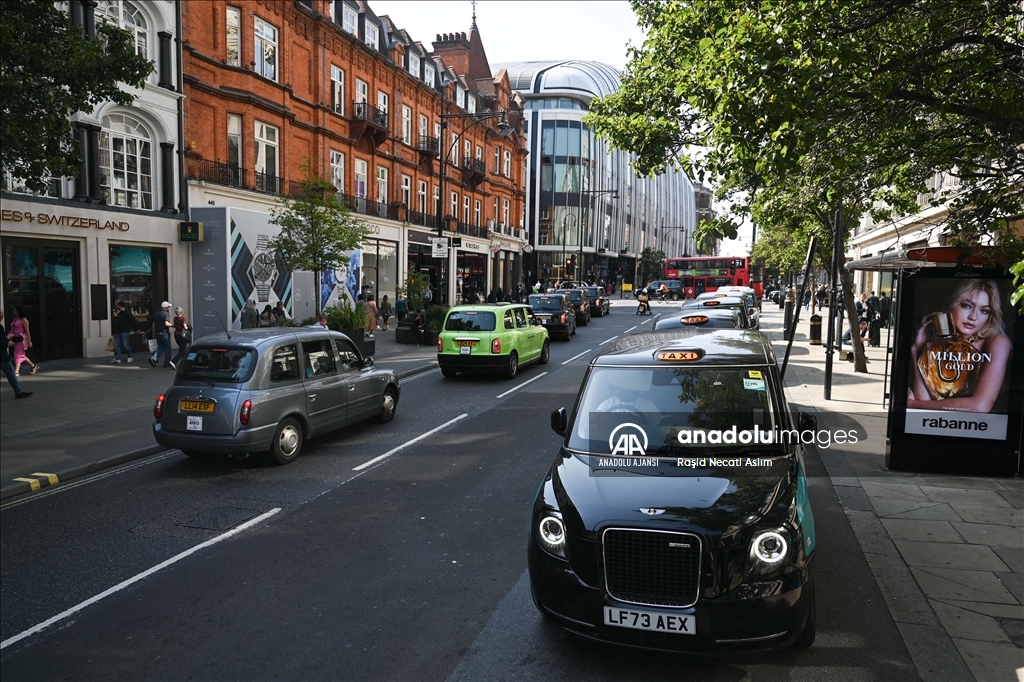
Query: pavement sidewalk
[[86, 414], [947, 552]]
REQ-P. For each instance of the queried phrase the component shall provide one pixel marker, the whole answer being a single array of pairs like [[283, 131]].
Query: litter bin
[[815, 330]]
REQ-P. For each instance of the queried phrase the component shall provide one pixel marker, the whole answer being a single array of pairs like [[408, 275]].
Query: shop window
[[138, 276], [126, 162]]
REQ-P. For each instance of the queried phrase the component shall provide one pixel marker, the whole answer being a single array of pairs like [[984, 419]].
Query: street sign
[[456, 242], [439, 248], [190, 232]]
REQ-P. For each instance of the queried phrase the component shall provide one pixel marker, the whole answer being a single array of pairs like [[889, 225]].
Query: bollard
[[815, 333], [788, 317]]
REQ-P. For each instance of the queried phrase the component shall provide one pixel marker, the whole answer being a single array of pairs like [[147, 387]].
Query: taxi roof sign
[[682, 355], [694, 319], [710, 303]]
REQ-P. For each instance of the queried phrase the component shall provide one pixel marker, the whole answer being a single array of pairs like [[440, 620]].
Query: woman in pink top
[[19, 333], [370, 306]]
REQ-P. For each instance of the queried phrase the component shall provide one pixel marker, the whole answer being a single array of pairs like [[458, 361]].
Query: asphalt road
[[412, 568]]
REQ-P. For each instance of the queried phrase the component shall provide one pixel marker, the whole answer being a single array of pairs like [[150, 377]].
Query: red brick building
[[274, 84]]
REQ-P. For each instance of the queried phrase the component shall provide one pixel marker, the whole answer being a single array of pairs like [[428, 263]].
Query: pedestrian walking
[[122, 325], [370, 307], [250, 316], [21, 338], [6, 366], [280, 314], [807, 299], [162, 326], [884, 306], [428, 296], [386, 311], [401, 307], [267, 317], [182, 334], [419, 323], [821, 296]]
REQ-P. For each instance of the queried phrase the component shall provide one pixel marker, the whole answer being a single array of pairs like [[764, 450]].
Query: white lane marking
[[409, 442], [71, 485], [145, 574], [630, 329], [576, 356], [522, 384], [420, 375], [607, 340]]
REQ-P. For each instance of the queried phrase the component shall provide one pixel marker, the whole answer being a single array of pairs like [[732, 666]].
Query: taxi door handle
[[351, 388], [311, 396]]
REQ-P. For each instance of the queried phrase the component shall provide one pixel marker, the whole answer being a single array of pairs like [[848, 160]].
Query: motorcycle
[[643, 306]]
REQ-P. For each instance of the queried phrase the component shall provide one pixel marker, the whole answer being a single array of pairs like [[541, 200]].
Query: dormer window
[[372, 37], [414, 65], [460, 98], [428, 76], [349, 20], [471, 104]]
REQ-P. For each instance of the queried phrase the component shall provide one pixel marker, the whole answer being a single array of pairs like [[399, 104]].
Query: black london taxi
[[581, 301], [703, 320], [599, 303], [671, 519], [720, 303], [556, 312]]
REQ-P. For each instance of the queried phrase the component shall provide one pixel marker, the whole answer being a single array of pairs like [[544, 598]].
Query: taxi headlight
[[770, 547], [551, 532]]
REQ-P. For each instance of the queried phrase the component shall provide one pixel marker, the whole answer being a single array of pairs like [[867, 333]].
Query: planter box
[[406, 333], [366, 347]]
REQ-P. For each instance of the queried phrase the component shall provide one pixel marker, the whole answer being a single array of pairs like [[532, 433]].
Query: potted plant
[[434, 315], [415, 284], [350, 320]]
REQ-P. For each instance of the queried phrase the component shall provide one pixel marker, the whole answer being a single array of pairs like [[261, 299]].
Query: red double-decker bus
[[708, 273]]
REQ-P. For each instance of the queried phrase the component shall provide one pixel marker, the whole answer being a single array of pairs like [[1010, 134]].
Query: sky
[[522, 30]]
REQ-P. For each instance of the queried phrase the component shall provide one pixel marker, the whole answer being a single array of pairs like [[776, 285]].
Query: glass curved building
[[587, 214]]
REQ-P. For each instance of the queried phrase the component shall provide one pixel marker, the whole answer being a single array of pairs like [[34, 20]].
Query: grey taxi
[[269, 390]]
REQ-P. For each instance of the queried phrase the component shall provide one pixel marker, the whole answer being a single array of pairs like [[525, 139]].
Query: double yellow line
[[36, 483]]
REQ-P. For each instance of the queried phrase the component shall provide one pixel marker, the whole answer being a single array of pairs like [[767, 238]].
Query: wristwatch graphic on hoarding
[[263, 269]]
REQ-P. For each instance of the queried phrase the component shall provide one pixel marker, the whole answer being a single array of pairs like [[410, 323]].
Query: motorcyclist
[[644, 305]]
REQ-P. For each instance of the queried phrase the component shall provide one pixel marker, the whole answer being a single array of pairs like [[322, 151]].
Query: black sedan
[[556, 312], [675, 516], [599, 303]]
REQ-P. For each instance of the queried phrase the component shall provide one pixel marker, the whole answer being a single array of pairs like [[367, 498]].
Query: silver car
[[268, 390]]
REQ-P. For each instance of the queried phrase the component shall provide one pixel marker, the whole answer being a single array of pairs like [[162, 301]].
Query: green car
[[491, 337]]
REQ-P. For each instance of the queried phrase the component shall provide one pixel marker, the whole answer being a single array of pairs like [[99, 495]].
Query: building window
[[371, 36], [465, 210], [479, 153], [233, 36], [504, 212], [428, 76], [471, 104], [424, 125], [455, 152], [460, 98], [266, 150], [406, 124], [476, 214], [266, 49], [349, 20], [407, 190], [17, 185], [126, 15], [338, 170], [469, 152], [414, 65], [362, 91], [126, 162], [421, 196], [508, 164], [235, 145], [437, 199], [495, 209], [382, 101], [138, 278], [382, 185], [361, 171], [497, 161], [455, 205], [337, 90]]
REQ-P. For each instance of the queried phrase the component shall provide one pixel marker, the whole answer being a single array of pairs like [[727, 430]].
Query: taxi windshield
[[223, 364], [470, 321], [539, 302], [592, 292], [575, 296], [678, 408]]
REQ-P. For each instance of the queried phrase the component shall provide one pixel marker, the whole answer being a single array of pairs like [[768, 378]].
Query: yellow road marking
[[32, 483], [52, 478]]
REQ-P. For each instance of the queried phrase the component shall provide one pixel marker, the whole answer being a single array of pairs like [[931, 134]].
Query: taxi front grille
[[656, 568]]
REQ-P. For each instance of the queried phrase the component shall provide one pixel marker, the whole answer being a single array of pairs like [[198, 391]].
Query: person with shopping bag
[[122, 327], [182, 334]]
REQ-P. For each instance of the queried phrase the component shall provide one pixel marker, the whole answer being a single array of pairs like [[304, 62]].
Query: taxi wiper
[[200, 376]]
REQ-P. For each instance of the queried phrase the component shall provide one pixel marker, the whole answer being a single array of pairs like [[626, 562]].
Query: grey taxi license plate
[[465, 350], [676, 624]]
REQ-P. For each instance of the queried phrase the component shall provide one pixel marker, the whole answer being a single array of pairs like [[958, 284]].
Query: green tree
[[50, 70], [652, 264], [917, 87], [316, 229]]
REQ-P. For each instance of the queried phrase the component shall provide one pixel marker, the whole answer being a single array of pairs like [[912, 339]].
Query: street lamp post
[[579, 224], [445, 152]]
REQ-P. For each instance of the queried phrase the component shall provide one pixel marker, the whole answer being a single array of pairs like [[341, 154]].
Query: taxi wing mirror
[[368, 362], [806, 422], [559, 421]]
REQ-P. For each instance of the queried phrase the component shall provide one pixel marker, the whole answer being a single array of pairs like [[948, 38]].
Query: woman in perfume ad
[[961, 355]]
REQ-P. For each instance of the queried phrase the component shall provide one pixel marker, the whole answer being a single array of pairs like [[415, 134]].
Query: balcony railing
[[365, 206], [424, 219], [216, 172], [367, 112], [429, 143], [470, 230], [475, 165], [268, 184]]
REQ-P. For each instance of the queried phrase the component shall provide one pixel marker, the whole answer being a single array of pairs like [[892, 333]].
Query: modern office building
[[588, 215]]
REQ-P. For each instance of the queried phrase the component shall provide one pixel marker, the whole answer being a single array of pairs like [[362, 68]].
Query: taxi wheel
[[287, 442], [512, 367], [388, 405], [675, 297], [448, 373], [545, 353], [806, 637]]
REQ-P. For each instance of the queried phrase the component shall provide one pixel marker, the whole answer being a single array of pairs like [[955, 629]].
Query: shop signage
[[63, 220], [466, 244], [190, 232], [439, 248]]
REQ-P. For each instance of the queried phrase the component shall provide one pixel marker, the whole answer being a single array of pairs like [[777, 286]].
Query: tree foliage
[[652, 264], [745, 92], [316, 229], [50, 70]]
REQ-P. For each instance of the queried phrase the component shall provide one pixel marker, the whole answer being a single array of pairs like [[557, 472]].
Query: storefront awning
[[936, 256]]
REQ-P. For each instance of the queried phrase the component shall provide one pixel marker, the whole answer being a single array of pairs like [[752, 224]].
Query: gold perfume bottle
[[946, 362]]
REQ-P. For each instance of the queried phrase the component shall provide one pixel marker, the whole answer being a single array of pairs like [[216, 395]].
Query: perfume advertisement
[[960, 352]]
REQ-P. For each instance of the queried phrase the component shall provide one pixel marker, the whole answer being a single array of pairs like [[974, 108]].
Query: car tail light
[[440, 345], [496, 346], [243, 416], [158, 408], [563, 318]]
